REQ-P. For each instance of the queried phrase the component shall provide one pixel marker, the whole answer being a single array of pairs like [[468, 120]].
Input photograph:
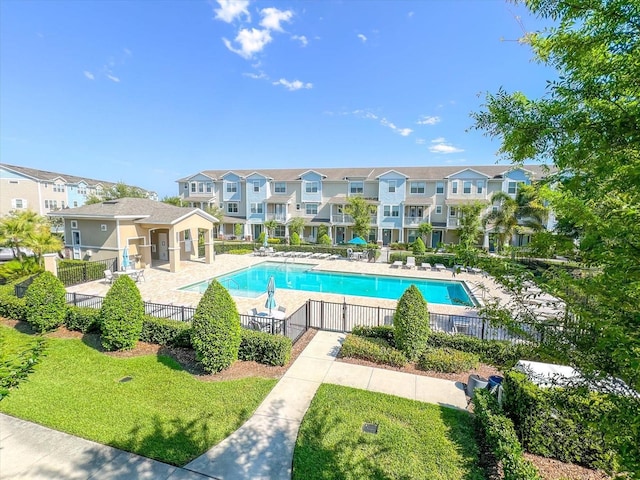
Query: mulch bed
[[549, 469]]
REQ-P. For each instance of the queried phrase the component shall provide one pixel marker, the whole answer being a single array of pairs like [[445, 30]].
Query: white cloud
[[128, 52], [362, 37], [428, 120], [301, 38], [251, 42], [410, 14], [257, 76], [439, 145], [271, 18], [89, 75], [420, 141], [295, 85], [113, 78], [231, 9], [405, 132]]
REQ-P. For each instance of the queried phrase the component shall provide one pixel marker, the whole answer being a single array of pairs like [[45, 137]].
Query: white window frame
[[209, 187], [200, 187], [194, 187], [103, 227], [356, 187], [418, 188], [311, 186], [256, 186], [257, 208], [467, 186], [454, 187], [280, 187], [234, 209], [314, 206], [392, 184], [515, 187], [439, 188], [453, 212], [438, 209], [232, 187], [395, 210], [74, 224], [480, 186]]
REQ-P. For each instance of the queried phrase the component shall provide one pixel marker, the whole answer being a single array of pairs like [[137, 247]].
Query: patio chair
[[439, 267], [396, 264], [425, 266], [140, 276], [108, 276], [411, 262], [335, 256], [282, 309]]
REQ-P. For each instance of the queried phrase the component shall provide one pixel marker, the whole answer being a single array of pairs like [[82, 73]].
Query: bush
[[324, 239], [447, 360], [500, 436], [11, 306], [240, 251], [260, 238], [294, 239], [386, 332], [264, 348], [373, 350], [45, 303], [163, 331], [121, 315], [216, 329], [411, 322], [273, 241], [418, 247], [82, 319]]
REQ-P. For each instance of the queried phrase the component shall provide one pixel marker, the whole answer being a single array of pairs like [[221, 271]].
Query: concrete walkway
[[262, 448]]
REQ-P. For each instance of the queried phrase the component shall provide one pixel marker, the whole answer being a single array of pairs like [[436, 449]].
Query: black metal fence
[[71, 273], [292, 326]]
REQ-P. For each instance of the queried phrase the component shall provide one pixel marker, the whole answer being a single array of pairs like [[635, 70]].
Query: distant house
[[153, 232], [23, 188]]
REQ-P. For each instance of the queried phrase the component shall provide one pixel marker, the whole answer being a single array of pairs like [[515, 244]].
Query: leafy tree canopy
[[119, 190], [361, 212]]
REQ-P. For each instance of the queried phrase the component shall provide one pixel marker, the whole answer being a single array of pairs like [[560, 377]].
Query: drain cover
[[125, 379], [370, 428]]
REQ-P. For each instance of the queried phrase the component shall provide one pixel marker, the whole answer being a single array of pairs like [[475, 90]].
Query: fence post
[[378, 315], [482, 333], [75, 302], [182, 313], [321, 314]]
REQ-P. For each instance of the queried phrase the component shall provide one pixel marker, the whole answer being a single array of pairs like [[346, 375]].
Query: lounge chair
[[396, 264], [140, 276], [253, 312], [324, 256], [335, 256], [411, 262], [439, 267], [459, 268], [425, 266], [108, 276]]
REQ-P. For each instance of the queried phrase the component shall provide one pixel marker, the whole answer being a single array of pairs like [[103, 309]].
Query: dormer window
[[232, 187], [356, 187], [311, 187], [392, 186]]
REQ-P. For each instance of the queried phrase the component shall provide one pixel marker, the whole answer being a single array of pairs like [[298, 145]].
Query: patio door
[[75, 240], [163, 246], [436, 238], [386, 236]]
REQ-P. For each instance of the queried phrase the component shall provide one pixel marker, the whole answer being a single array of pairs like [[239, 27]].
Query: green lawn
[[415, 440], [162, 413]]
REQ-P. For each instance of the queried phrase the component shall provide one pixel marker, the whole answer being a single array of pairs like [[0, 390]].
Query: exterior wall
[[232, 196], [53, 196], [468, 176], [14, 186], [203, 185], [254, 197], [102, 243], [75, 195], [311, 197]]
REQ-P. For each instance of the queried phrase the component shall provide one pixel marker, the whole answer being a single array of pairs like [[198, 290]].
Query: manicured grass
[[415, 440], [162, 413]]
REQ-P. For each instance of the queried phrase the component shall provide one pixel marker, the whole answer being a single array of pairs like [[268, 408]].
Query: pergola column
[[174, 250]]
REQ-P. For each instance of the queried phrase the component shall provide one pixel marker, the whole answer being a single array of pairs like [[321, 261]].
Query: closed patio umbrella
[[271, 299], [125, 258], [265, 242]]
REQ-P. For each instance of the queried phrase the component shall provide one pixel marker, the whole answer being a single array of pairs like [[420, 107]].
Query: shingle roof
[[51, 176], [370, 173], [141, 209]]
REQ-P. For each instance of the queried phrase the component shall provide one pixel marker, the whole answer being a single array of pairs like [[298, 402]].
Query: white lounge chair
[[108, 276], [439, 267], [335, 256], [396, 264], [424, 266], [324, 256], [411, 262]]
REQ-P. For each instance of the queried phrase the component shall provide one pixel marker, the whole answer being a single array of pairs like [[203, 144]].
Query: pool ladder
[[228, 280]]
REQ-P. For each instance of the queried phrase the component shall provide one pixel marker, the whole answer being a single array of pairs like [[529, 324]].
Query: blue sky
[[150, 91]]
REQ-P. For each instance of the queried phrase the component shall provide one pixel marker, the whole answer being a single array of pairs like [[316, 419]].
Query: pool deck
[[162, 286]]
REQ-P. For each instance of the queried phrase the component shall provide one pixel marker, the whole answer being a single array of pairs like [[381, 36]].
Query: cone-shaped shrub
[[215, 329], [45, 304], [295, 239], [324, 240], [418, 247], [411, 322], [121, 315]]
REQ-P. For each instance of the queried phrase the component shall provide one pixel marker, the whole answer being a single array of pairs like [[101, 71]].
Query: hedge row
[[500, 435], [567, 423], [373, 350], [447, 360], [264, 348]]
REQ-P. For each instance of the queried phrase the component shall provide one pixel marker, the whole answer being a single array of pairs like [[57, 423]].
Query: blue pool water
[[252, 282]]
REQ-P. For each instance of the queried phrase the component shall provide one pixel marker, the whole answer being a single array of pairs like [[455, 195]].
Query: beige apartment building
[[401, 198]]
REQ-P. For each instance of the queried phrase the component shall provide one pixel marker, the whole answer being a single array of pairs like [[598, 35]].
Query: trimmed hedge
[[215, 332], [411, 322], [500, 435], [11, 306], [447, 360], [82, 319], [373, 350], [563, 423], [264, 348], [121, 315], [164, 331], [45, 303], [385, 332], [501, 353]]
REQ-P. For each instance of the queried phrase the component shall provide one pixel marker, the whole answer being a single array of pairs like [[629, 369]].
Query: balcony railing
[[341, 218], [413, 221], [278, 217]]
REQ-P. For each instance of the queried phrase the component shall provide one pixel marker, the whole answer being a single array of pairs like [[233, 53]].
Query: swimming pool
[[252, 282]]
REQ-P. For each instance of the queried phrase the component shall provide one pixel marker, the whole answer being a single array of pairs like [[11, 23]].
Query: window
[[311, 208], [279, 231], [232, 207], [103, 227], [194, 187], [232, 187], [391, 211], [256, 186], [209, 187], [454, 186], [418, 187], [392, 186], [480, 186], [438, 209], [74, 224], [440, 187], [466, 187], [46, 204], [453, 212], [256, 208], [200, 187], [311, 187], [75, 203], [412, 235], [512, 188], [280, 187], [62, 204], [356, 187], [297, 206]]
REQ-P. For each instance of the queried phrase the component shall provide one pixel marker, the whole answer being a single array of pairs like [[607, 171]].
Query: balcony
[[278, 217], [341, 218], [414, 221]]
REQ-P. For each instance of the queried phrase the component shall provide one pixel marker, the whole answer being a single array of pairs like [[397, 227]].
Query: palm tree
[[503, 221], [16, 230], [42, 241]]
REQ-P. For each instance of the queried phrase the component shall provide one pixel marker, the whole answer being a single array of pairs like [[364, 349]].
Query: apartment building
[[23, 188], [401, 198]]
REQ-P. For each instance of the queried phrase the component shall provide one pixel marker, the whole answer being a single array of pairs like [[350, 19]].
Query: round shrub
[[215, 329], [418, 247], [411, 322], [295, 239], [447, 360], [121, 315], [324, 240], [45, 303]]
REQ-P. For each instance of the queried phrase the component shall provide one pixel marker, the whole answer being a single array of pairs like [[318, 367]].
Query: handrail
[[232, 280]]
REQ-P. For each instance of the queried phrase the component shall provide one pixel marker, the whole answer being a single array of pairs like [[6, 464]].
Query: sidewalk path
[[262, 448]]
